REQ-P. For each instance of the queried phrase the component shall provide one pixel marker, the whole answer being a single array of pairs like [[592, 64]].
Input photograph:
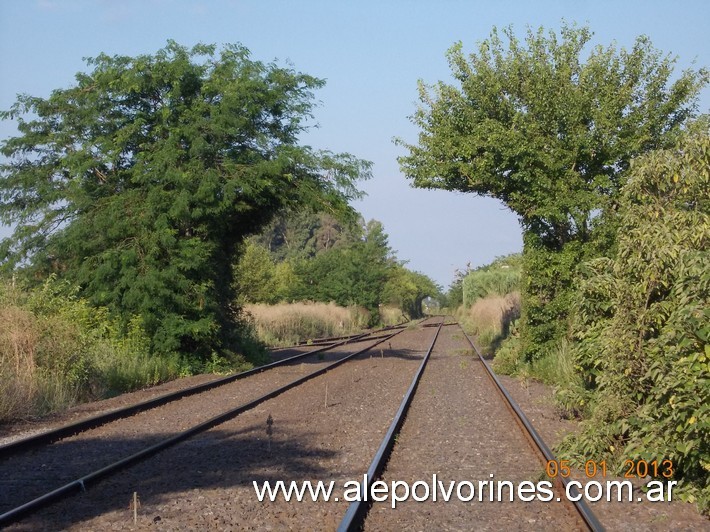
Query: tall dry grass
[[17, 367], [26, 388], [392, 316], [56, 350], [489, 319], [291, 323]]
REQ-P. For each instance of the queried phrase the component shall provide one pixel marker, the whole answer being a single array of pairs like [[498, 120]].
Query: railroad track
[[325, 425], [49, 436], [44, 440], [329, 340], [356, 516]]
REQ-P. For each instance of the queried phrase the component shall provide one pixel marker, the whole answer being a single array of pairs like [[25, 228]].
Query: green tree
[[255, 275], [285, 281], [349, 275], [407, 290], [550, 133], [303, 233], [368, 266], [140, 182], [454, 295]]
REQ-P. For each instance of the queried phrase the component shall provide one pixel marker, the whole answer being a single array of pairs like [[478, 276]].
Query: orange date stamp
[[631, 468]]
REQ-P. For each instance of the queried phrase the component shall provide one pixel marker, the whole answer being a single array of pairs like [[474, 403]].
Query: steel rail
[[582, 508], [333, 339], [50, 436], [355, 514], [81, 484]]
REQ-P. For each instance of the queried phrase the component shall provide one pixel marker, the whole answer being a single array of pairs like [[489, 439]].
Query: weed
[[491, 319]]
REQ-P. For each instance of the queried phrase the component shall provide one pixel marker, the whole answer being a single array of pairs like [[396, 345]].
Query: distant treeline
[[307, 256]]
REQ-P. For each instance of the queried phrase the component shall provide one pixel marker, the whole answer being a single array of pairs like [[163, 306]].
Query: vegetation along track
[[24, 478]]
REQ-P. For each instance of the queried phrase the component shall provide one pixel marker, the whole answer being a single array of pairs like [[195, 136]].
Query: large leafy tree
[[549, 127], [139, 182], [549, 133]]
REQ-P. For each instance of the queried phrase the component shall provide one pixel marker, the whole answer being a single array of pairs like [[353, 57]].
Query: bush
[[490, 307], [490, 319], [499, 278], [641, 323], [507, 360], [56, 350]]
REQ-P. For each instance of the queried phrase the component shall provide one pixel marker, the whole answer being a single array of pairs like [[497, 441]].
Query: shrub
[[499, 278], [641, 323], [490, 319], [56, 350]]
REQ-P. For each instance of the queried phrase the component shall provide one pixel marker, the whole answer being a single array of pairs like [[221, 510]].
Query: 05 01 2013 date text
[[631, 468]]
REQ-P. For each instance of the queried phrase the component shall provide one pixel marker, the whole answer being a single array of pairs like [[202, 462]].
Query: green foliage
[[548, 292], [454, 295], [125, 363], [354, 275], [453, 298], [139, 183], [507, 361], [285, 281], [303, 234], [490, 303], [255, 276], [306, 256], [407, 290], [542, 129], [499, 278], [558, 368], [549, 128], [641, 321]]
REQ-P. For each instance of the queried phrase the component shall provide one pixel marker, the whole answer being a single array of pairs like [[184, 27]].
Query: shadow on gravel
[[381, 351], [216, 460], [384, 352]]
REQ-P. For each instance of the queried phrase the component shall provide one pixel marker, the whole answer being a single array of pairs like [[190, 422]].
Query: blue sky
[[370, 52]]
